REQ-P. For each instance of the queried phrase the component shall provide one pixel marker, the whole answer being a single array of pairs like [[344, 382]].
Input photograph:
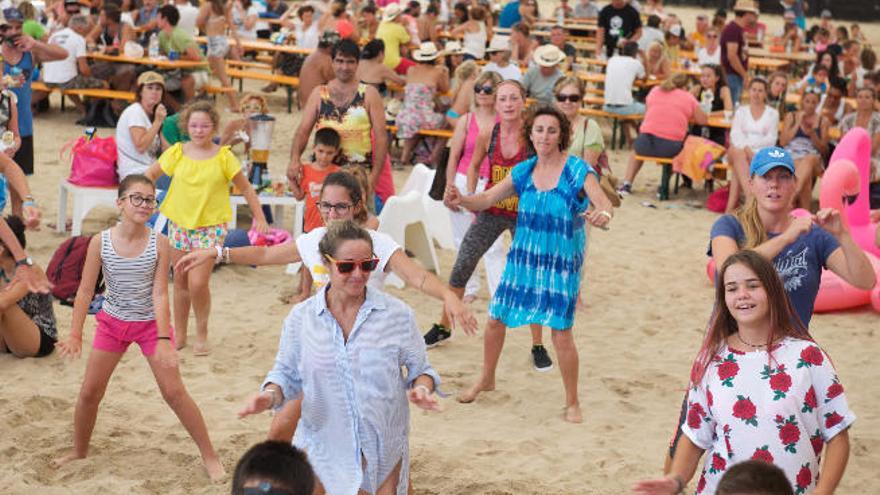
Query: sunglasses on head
[[568, 98], [366, 266], [485, 89]]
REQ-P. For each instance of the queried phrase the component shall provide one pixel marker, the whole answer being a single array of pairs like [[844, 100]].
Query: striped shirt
[[129, 294], [354, 405]]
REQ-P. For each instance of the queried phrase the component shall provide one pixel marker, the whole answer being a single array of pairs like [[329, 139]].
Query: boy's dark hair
[[130, 180], [328, 137], [654, 21], [346, 48], [372, 48], [630, 49], [112, 13], [281, 466], [754, 478], [369, 9], [170, 13], [16, 224]]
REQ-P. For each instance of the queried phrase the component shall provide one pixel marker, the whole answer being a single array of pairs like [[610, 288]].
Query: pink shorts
[[115, 335]]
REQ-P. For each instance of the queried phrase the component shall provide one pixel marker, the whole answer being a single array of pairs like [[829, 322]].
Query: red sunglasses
[[366, 265]]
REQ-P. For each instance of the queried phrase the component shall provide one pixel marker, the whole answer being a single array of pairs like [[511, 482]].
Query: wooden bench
[[616, 120], [246, 64], [438, 133], [289, 82], [666, 163]]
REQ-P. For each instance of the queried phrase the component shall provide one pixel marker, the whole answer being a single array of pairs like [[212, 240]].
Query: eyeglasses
[[339, 208], [138, 200], [568, 98], [485, 89], [366, 266]]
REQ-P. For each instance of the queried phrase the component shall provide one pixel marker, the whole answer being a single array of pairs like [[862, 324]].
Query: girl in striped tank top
[[135, 262]]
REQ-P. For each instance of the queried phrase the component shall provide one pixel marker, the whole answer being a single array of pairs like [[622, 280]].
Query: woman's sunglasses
[[486, 89], [568, 98], [366, 266]]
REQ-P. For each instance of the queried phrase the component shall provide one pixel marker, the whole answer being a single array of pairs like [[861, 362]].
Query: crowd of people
[[522, 157]]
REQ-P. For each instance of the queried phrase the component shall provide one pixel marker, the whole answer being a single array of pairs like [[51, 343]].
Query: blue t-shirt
[[23, 73], [799, 264], [509, 15]]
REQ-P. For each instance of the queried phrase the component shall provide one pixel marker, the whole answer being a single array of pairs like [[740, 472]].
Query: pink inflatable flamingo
[[847, 176]]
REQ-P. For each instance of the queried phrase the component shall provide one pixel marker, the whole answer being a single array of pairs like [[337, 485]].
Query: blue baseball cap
[[766, 159]]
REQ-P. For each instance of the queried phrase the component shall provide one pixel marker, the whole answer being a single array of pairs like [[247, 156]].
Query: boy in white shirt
[[72, 72], [620, 75]]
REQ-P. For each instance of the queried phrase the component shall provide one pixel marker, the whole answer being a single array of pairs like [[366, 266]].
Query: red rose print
[[817, 442], [727, 370], [809, 400], [701, 485], [803, 479], [718, 464], [833, 391], [780, 382], [763, 454], [811, 356], [695, 415], [789, 433], [709, 399], [832, 419], [745, 410]]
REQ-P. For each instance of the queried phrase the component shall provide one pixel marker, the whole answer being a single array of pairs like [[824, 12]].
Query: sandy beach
[[648, 302]]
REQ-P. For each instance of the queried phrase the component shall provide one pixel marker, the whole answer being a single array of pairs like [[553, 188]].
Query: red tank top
[[499, 168]]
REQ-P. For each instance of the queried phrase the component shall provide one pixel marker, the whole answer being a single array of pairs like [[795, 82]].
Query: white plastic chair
[[84, 199], [404, 219], [440, 226]]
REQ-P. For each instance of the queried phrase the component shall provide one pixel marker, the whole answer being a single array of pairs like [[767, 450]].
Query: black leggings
[[477, 240]]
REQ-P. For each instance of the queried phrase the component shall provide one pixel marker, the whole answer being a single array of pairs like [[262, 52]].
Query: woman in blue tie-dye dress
[[541, 280]]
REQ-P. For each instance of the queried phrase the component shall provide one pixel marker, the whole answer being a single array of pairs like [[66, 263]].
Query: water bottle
[[265, 179], [560, 16], [153, 50]]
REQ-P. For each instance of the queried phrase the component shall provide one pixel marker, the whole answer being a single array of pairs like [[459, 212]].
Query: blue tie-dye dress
[[541, 280]]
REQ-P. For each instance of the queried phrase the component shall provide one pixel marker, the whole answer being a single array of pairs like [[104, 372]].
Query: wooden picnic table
[[716, 119], [262, 46], [162, 63], [797, 57]]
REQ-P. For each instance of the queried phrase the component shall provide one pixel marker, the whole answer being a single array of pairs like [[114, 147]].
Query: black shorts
[[24, 157], [47, 345]]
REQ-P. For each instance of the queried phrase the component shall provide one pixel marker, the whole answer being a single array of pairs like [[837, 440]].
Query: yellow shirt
[[393, 34], [199, 193]]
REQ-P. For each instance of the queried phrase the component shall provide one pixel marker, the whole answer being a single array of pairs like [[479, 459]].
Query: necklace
[[753, 346]]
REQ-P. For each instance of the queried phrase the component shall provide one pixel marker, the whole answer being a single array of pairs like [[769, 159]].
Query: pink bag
[[717, 201], [93, 162], [271, 238]]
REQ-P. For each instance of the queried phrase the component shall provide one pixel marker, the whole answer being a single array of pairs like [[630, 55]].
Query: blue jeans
[[735, 83], [633, 108]]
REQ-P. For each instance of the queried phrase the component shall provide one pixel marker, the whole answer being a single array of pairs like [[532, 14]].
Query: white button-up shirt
[[355, 414]]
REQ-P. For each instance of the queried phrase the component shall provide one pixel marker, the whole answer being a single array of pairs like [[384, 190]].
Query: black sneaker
[[541, 358], [438, 333]]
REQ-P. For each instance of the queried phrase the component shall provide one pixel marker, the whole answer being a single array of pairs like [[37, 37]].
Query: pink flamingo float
[[847, 177]]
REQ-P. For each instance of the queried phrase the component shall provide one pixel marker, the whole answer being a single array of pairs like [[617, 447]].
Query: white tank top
[[475, 43]]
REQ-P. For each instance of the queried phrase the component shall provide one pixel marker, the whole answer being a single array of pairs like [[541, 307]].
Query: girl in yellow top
[[197, 207]]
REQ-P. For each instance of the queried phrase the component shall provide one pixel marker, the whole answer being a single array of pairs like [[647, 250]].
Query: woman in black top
[[713, 90]]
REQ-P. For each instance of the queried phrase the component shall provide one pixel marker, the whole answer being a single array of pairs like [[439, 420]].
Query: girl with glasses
[[340, 358], [134, 261]]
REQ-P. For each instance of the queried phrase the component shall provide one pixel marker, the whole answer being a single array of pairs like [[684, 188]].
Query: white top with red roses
[[780, 408]]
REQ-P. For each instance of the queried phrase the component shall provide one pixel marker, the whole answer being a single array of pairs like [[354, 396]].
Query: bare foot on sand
[[66, 459], [214, 469], [471, 394], [573, 414], [201, 348]]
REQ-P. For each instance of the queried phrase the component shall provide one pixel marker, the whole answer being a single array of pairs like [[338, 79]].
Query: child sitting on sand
[[135, 263], [197, 207]]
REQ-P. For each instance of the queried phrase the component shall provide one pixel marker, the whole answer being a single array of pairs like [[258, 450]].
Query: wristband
[[273, 393], [426, 389], [30, 203], [164, 338], [605, 214], [219, 258]]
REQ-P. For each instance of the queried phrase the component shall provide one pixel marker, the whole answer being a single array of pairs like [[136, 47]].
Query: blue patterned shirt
[[355, 414]]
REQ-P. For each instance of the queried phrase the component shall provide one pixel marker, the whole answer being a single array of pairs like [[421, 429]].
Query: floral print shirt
[[780, 408]]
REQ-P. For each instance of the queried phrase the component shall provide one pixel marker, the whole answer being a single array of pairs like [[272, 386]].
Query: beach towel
[[696, 158]]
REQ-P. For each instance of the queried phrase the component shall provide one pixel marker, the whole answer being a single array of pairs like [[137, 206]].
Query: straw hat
[[548, 56], [745, 6], [499, 44], [150, 77], [453, 48], [427, 51], [391, 11]]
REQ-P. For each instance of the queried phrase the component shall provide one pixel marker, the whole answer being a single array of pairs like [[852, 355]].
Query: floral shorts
[[201, 238]]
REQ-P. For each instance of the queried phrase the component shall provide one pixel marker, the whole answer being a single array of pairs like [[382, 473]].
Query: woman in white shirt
[[474, 34], [244, 17], [711, 53], [137, 131], [755, 126]]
